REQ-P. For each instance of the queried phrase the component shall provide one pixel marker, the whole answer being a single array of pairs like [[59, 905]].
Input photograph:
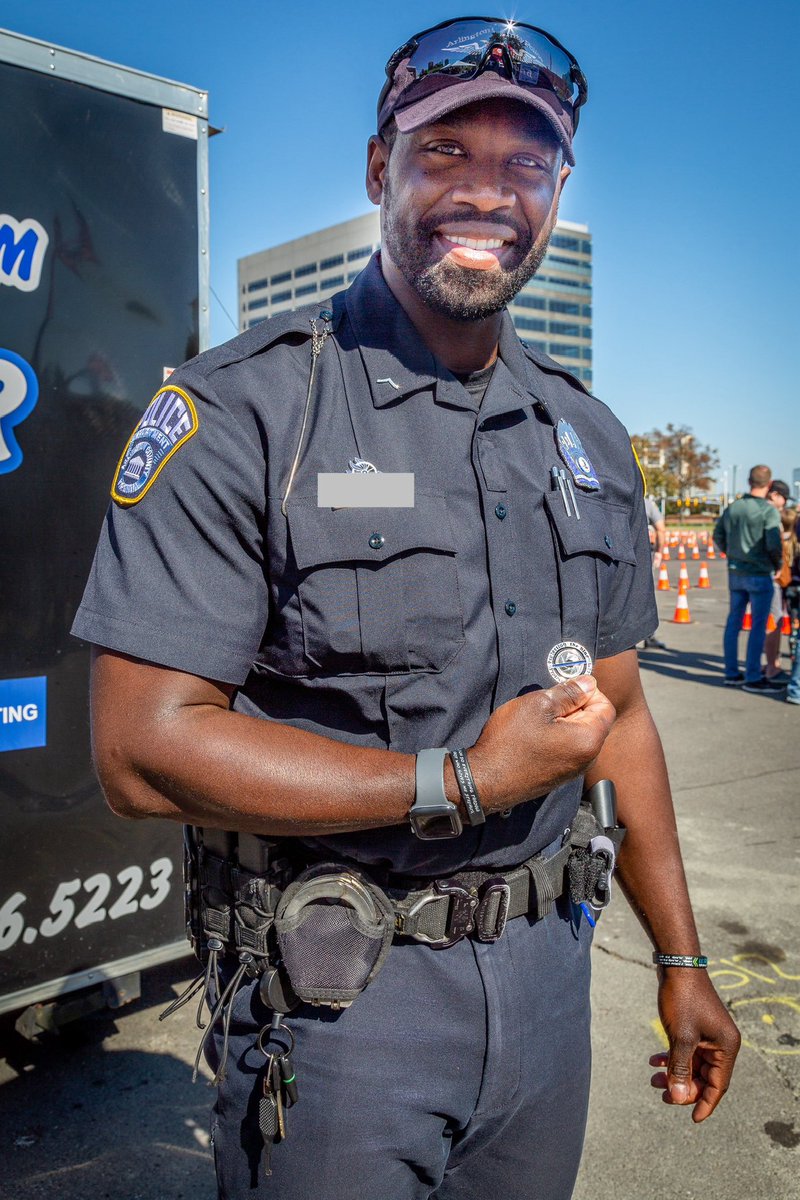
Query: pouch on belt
[[334, 928]]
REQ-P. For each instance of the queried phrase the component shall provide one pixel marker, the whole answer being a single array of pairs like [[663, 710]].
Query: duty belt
[[479, 903], [234, 884], [319, 932]]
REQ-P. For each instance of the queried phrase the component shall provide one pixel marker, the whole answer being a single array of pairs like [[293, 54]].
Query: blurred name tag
[[376, 489]]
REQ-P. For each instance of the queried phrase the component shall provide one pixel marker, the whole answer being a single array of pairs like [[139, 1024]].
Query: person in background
[[749, 533], [659, 526], [778, 496], [793, 604]]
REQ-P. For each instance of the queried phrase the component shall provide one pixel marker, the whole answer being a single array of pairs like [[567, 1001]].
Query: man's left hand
[[703, 1042]]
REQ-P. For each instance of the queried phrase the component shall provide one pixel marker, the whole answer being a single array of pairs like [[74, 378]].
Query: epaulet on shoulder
[[552, 367], [267, 333]]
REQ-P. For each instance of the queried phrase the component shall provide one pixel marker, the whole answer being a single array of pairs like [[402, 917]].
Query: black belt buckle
[[461, 917], [496, 886]]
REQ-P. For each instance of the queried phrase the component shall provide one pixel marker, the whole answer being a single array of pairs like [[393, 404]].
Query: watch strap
[[429, 779]]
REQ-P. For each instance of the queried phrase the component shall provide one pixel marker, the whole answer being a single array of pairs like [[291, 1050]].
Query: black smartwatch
[[433, 815]]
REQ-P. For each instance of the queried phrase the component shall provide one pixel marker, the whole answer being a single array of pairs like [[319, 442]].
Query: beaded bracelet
[[680, 960]]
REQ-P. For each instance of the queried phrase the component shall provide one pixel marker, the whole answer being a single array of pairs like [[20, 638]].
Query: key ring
[[270, 1029]]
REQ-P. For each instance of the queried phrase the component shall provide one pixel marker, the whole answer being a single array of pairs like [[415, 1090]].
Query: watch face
[[437, 824]]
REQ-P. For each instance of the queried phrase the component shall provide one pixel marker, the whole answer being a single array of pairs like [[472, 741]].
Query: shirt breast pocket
[[593, 553], [378, 587]]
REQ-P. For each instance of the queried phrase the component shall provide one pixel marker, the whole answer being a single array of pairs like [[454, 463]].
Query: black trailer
[[103, 290]]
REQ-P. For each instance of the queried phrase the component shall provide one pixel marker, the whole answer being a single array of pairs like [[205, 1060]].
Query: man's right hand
[[537, 741]]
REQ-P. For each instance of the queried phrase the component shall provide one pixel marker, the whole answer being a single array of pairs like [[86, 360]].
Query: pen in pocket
[[559, 482], [568, 480]]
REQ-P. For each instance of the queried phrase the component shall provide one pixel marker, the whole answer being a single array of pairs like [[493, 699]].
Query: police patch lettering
[[169, 420], [575, 457]]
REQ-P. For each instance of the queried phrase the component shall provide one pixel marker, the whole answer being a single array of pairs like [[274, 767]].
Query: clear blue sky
[[687, 174]]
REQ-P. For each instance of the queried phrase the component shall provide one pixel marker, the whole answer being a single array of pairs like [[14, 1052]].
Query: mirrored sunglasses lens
[[539, 62], [456, 50]]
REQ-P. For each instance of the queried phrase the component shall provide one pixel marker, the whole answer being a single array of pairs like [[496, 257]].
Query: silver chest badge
[[359, 466], [569, 660]]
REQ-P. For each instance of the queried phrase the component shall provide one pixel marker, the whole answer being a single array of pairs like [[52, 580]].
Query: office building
[[553, 312]]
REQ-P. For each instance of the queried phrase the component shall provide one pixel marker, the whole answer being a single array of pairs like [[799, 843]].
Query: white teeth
[[474, 244]]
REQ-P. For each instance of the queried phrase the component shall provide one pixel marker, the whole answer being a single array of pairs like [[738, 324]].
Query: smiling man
[[468, 267], [367, 625]]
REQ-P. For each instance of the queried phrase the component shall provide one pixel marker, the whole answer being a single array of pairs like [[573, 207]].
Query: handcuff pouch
[[334, 928]]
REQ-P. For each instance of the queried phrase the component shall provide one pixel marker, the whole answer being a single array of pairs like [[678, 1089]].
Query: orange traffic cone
[[681, 552], [683, 587], [704, 581], [682, 616], [786, 625], [684, 575], [772, 624], [695, 551], [663, 580], [665, 553], [747, 620], [711, 551]]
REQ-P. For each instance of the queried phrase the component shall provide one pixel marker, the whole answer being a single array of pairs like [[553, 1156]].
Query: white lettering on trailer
[[69, 908], [23, 245], [13, 393], [9, 713]]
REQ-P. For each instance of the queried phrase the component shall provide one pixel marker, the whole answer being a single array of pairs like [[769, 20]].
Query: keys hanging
[[278, 1085], [277, 1091], [268, 1119], [288, 1079]]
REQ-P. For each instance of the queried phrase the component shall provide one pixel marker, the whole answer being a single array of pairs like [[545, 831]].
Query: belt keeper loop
[[492, 912], [543, 887]]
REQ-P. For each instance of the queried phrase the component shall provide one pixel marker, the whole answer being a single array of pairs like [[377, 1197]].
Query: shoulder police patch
[[169, 420]]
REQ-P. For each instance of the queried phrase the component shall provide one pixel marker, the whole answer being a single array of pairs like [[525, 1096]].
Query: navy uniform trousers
[[458, 1073]]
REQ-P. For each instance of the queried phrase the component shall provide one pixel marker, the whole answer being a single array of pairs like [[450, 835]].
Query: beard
[[459, 293]]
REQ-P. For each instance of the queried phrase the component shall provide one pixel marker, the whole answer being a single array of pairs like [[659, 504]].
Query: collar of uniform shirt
[[392, 350]]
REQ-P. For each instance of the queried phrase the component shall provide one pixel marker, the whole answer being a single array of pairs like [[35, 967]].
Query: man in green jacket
[[749, 532]]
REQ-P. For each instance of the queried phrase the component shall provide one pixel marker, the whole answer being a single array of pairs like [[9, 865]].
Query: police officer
[[281, 660]]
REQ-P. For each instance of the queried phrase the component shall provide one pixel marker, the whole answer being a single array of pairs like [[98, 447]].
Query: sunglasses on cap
[[463, 49]]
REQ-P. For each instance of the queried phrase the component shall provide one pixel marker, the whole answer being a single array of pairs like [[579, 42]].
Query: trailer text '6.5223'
[[68, 907]]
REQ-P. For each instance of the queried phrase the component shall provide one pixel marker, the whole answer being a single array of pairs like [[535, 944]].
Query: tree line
[[675, 463]]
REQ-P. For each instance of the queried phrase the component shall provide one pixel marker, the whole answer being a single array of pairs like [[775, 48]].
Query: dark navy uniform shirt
[[403, 641]]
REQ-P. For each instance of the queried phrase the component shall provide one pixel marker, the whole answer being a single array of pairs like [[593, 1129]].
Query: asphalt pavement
[[734, 762], [107, 1107]]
